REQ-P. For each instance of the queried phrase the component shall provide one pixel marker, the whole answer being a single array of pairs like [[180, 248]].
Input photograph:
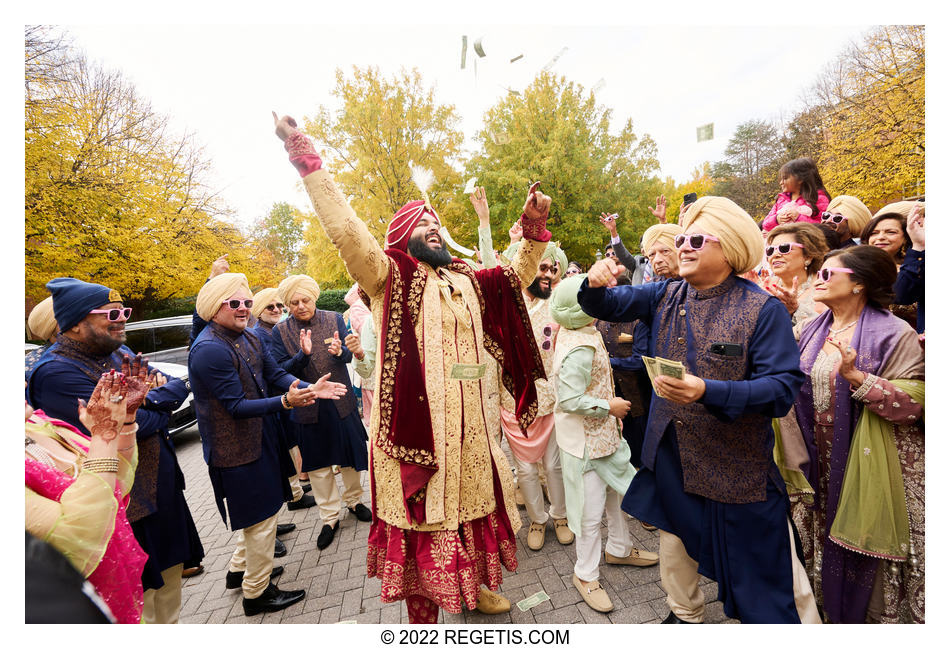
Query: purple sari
[[846, 577]]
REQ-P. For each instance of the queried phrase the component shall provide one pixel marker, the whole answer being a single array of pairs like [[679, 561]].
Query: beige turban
[[262, 298], [217, 290], [857, 212], [664, 232], [298, 284], [739, 236], [901, 207], [41, 323]]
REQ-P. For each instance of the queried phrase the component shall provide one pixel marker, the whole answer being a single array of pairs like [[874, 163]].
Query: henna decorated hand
[[136, 376], [105, 413]]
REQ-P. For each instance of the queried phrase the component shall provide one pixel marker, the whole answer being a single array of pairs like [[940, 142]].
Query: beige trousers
[[295, 487], [680, 579], [163, 606], [254, 556], [327, 495]]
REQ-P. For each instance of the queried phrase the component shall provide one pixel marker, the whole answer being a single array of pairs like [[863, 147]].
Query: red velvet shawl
[[405, 422]]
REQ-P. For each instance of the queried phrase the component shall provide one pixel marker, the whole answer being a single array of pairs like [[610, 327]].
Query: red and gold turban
[[404, 222]]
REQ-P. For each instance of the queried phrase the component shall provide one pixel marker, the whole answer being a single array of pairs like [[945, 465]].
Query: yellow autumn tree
[[111, 195], [379, 127], [873, 128]]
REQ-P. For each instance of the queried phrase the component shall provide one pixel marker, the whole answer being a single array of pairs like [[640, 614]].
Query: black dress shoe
[[233, 579], [306, 488], [672, 619], [326, 535], [285, 528], [280, 550], [305, 501], [362, 512], [272, 599]]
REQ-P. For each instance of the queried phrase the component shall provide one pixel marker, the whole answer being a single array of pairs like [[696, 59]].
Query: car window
[[171, 337], [140, 340]]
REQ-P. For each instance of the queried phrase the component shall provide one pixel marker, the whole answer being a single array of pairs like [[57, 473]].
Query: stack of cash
[[663, 367]]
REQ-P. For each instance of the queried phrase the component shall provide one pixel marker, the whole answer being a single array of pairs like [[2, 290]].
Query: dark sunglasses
[[696, 241], [783, 248], [113, 315], [834, 218], [825, 273], [234, 305], [275, 307]]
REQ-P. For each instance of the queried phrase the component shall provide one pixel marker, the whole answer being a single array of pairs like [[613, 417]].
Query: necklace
[[835, 332]]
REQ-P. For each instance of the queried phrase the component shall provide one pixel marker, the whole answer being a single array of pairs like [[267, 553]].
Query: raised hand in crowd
[[516, 233], [660, 210], [335, 348], [480, 203], [537, 204], [219, 266], [915, 226], [609, 221], [788, 296], [353, 344], [284, 127], [604, 273], [306, 342]]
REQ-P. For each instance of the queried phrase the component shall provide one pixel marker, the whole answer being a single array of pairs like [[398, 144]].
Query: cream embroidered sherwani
[[465, 413]]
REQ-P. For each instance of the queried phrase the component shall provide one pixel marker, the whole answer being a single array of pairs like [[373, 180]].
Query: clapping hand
[[660, 211], [306, 343], [136, 376], [604, 273], [480, 203], [105, 413], [335, 348]]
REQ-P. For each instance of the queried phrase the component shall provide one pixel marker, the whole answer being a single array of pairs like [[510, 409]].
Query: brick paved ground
[[339, 590]]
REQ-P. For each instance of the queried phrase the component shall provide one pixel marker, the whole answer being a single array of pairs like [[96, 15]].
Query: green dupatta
[[872, 510]]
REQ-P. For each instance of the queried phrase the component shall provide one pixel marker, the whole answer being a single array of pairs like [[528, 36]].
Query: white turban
[[41, 323], [216, 290], [901, 207], [261, 299], [739, 236], [298, 284]]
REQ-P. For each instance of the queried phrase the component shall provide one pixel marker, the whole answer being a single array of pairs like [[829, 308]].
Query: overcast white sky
[[222, 81]]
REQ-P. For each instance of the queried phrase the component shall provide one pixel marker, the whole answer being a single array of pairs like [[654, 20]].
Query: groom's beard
[[419, 249]]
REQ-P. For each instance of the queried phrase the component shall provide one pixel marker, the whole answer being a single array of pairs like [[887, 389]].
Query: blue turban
[[73, 299]]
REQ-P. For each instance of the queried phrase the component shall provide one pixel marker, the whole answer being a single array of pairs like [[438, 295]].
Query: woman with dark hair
[[860, 412], [793, 253], [888, 231], [803, 196]]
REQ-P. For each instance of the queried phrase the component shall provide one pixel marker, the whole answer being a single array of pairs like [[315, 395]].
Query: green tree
[[281, 233], [556, 133], [379, 127], [749, 173]]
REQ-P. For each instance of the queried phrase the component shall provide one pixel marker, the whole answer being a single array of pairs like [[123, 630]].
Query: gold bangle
[[101, 465]]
